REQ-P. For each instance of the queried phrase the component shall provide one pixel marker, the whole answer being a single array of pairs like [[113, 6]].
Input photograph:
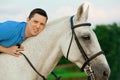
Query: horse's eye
[[86, 37]]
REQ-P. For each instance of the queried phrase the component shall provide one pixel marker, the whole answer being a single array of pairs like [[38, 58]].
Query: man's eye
[[35, 21]]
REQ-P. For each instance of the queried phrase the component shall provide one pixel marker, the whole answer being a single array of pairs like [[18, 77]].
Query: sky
[[100, 12]]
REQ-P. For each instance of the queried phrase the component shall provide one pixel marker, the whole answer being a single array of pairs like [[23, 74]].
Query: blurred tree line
[[109, 39]]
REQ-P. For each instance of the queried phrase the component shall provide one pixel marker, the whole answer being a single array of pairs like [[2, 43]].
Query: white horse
[[46, 49]]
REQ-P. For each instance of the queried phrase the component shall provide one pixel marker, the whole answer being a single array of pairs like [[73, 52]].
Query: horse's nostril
[[105, 73]]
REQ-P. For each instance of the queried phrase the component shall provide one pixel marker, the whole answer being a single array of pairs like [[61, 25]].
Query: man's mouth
[[35, 30]]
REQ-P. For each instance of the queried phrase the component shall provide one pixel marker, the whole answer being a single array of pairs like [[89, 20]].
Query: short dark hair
[[38, 11]]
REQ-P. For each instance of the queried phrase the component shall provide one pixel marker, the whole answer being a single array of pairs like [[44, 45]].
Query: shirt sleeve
[[6, 29]]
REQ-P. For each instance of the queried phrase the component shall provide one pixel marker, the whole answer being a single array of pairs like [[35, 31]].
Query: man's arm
[[13, 50]]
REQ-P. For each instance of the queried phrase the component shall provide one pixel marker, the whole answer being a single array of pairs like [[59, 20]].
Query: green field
[[70, 72]]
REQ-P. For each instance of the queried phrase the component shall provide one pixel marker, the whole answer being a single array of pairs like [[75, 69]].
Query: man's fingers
[[19, 50], [20, 46], [16, 52]]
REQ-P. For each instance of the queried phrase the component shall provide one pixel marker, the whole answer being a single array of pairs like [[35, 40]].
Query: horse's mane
[[57, 20]]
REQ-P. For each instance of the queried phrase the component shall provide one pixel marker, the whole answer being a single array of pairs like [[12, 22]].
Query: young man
[[13, 33]]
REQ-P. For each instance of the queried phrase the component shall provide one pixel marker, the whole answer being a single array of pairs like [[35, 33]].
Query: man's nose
[[38, 25]]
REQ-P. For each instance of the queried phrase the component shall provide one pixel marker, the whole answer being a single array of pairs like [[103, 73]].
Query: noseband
[[86, 58]]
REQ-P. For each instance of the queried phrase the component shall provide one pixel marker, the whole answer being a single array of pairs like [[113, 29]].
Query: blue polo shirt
[[12, 33]]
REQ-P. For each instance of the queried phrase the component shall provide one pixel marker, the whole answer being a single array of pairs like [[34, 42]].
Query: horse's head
[[80, 46]]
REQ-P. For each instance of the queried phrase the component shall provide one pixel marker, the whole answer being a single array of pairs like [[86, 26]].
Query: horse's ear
[[82, 12]]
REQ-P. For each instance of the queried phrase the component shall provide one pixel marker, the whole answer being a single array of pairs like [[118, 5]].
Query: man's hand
[[13, 50]]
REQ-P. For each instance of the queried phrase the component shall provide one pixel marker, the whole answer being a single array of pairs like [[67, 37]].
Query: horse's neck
[[43, 50]]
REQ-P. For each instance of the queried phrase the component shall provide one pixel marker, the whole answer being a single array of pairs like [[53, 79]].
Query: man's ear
[[27, 19]]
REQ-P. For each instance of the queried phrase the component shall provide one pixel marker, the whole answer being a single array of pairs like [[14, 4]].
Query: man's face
[[36, 24]]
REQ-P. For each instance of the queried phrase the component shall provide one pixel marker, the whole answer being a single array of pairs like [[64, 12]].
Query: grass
[[68, 73]]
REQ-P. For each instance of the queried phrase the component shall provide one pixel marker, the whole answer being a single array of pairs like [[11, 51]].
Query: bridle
[[86, 58]]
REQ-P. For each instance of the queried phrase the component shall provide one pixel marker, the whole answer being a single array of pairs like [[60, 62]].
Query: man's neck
[[27, 33]]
